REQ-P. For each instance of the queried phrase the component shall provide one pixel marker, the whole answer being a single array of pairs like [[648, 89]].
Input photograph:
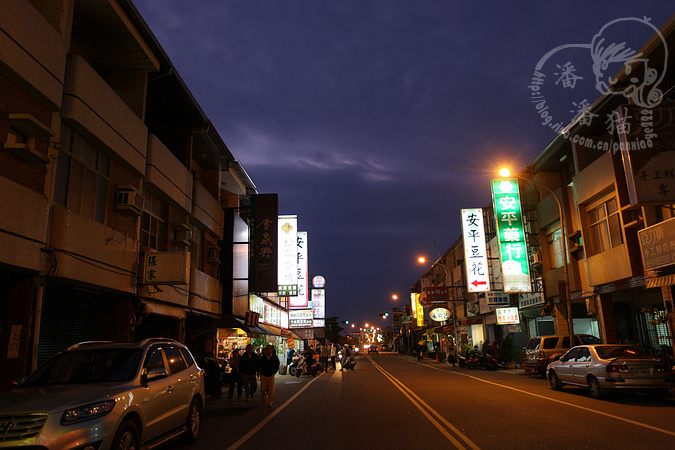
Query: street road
[[392, 401]]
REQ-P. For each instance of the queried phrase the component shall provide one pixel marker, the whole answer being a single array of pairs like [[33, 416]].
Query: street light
[[570, 324]]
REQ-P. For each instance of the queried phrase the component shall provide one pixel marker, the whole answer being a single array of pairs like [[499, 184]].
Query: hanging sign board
[[511, 235], [475, 251]]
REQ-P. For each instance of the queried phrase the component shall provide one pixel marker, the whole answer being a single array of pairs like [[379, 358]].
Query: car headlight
[[87, 412]]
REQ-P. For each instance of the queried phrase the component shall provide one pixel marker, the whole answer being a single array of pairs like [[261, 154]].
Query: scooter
[[311, 369], [462, 359], [293, 367], [348, 364], [474, 360]]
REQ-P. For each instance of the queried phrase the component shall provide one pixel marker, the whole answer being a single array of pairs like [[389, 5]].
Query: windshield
[[588, 340], [622, 351], [88, 366]]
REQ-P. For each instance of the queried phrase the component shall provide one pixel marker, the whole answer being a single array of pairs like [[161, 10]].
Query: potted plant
[[507, 352]]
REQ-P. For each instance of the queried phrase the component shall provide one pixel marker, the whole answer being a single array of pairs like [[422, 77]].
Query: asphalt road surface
[[392, 401]]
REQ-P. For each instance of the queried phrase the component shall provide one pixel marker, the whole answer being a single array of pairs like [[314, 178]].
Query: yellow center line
[[426, 410]]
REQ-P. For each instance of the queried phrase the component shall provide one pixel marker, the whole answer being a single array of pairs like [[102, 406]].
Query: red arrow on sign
[[476, 282]]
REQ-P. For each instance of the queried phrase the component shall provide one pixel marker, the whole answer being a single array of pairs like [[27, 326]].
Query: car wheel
[[594, 388], [193, 421], [127, 437], [553, 379]]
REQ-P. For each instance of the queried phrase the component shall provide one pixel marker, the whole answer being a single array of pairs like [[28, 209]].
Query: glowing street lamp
[[570, 324]]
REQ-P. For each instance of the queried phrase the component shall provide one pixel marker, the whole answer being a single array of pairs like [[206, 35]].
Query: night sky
[[377, 121]]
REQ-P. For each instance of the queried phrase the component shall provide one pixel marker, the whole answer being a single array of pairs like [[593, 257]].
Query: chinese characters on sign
[[437, 293], [475, 252], [507, 316], [288, 256], [265, 208], [301, 300], [647, 143], [657, 244], [166, 268], [511, 235], [300, 318]]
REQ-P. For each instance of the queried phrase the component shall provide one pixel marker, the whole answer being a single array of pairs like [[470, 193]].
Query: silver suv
[[105, 395], [542, 350]]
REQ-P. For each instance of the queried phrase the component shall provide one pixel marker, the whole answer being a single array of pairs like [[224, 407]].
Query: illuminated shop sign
[[288, 256], [301, 300], [507, 316], [319, 303], [300, 318], [475, 251], [511, 235]]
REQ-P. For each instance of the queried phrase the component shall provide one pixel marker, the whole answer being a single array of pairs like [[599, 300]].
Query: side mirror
[[154, 374]]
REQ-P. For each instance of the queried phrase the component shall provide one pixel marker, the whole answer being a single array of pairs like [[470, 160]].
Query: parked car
[[605, 367], [106, 395], [540, 351]]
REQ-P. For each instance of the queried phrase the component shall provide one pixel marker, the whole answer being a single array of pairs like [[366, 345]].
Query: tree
[[333, 329]]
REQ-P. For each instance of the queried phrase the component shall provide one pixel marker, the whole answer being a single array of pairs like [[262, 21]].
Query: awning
[[235, 322], [271, 329], [444, 329], [163, 310], [667, 280]]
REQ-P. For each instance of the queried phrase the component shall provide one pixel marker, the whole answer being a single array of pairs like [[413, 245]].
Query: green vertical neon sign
[[511, 235]]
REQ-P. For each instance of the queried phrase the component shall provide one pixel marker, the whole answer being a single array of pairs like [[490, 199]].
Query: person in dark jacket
[[268, 366], [212, 375], [248, 367]]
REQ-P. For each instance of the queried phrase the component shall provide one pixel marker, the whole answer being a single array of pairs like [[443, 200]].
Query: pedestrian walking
[[248, 368], [212, 375], [268, 366], [333, 355], [235, 376], [324, 353]]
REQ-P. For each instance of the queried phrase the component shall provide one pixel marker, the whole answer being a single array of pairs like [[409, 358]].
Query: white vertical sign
[[287, 238], [475, 251], [301, 300]]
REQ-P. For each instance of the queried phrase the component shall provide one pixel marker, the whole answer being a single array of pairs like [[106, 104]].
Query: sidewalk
[[518, 371]]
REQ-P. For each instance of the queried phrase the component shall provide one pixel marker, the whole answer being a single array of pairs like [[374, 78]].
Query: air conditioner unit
[[538, 258], [213, 255], [128, 200]]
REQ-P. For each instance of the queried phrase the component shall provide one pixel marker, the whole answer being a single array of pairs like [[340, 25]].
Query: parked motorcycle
[[293, 367], [474, 360], [462, 358], [309, 367]]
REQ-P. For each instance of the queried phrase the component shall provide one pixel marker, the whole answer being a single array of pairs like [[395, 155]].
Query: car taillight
[[616, 368], [541, 354]]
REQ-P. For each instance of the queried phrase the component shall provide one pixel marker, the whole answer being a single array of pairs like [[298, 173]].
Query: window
[[584, 355], [176, 361], [195, 247], [571, 356], [82, 176], [154, 360], [153, 223], [605, 225], [551, 342], [555, 250]]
